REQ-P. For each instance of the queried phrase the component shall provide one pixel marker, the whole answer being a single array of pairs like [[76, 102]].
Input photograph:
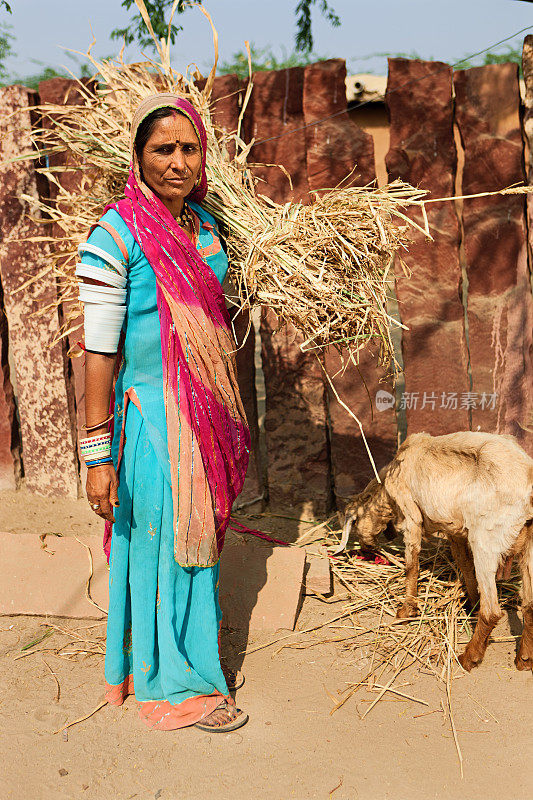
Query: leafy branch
[[157, 11], [304, 33]]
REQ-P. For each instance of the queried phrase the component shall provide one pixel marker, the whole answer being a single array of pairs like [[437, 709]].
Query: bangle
[[90, 440], [95, 447], [94, 427], [107, 460]]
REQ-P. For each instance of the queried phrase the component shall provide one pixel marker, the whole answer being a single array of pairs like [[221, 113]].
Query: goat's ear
[[369, 492], [383, 502], [349, 518]]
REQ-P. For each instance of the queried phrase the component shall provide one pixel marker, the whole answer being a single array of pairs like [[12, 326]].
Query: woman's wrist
[[101, 431], [91, 426]]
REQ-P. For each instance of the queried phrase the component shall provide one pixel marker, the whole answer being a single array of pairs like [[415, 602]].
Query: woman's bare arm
[[102, 480]]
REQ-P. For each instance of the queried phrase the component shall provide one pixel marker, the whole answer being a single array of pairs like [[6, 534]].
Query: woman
[[168, 475]]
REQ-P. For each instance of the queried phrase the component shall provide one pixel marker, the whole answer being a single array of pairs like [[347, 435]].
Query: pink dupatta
[[208, 438]]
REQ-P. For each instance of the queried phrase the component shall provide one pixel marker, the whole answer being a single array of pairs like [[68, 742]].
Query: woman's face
[[171, 160]]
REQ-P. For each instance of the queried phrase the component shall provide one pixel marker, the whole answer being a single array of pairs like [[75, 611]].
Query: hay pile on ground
[[385, 651], [372, 591], [323, 267]]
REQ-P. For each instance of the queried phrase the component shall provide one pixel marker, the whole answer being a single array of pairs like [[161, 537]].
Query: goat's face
[[368, 513]]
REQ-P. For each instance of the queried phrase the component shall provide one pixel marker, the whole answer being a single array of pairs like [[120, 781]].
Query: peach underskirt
[[163, 715]]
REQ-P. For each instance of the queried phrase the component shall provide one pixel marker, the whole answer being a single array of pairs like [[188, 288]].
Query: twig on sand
[[386, 688], [486, 710], [427, 713], [88, 583], [292, 633], [53, 674], [82, 719], [449, 656], [338, 786], [393, 690], [33, 652]]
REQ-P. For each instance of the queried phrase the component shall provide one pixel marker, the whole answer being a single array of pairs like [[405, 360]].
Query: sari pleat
[[164, 619]]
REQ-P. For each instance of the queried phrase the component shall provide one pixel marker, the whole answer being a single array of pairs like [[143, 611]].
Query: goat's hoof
[[406, 611], [467, 662], [524, 657]]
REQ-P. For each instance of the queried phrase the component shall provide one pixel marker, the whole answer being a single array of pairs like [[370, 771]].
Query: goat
[[475, 487]]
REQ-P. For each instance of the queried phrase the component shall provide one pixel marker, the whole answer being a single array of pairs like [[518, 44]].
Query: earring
[[198, 180]]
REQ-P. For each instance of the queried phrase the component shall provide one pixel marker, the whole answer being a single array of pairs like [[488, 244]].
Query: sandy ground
[[291, 748]]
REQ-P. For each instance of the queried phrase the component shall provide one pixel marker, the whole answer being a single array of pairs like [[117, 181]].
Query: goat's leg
[[464, 560], [524, 657], [413, 538], [486, 565]]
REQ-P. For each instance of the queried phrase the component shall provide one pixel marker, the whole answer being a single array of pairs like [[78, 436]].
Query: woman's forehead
[[173, 128]]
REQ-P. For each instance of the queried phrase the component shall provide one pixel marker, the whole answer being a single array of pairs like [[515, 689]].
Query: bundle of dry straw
[[323, 267]]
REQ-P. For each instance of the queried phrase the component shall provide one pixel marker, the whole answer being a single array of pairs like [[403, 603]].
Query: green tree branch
[[158, 11], [304, 32]]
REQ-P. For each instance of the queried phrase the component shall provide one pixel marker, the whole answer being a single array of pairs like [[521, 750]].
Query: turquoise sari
[[164, 619]]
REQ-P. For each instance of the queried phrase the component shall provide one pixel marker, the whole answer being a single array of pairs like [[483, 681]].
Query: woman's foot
[[223, 719], [234, 678]]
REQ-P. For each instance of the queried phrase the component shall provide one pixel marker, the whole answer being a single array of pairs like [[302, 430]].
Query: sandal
[[226, 727], [234, 678]]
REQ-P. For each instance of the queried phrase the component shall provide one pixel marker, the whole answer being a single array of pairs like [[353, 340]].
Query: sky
[[447, 30]]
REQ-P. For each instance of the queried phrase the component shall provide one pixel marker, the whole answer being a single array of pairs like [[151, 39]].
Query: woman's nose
[[178, 160]]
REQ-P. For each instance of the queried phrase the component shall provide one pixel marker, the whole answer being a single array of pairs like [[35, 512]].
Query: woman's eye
[[189, 148]]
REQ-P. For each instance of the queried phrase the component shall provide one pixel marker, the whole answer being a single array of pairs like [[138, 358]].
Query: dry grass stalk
[[53, 674], [91, 573], [324, 267], [77, 647], [100, 705]]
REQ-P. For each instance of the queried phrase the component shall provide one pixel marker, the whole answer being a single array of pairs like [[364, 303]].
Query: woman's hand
[[101, 489]]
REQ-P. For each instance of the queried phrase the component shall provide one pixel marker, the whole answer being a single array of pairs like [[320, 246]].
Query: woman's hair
[[144, 131]]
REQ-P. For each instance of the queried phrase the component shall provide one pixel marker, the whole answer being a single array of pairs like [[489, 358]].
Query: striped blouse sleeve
[[104, 302]]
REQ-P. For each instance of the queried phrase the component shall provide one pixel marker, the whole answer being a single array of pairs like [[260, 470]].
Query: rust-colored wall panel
[[334, 147], [422, 152], [225, 105], [60, 91], [295, 421], [275, 110], [49, 456], [500, 312], [527, 65], [295, 418]]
